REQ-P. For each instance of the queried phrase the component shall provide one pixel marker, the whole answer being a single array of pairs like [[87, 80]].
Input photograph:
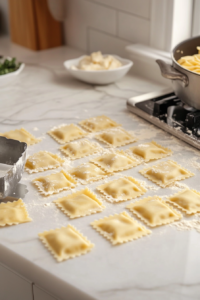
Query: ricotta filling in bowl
[[96, 62]]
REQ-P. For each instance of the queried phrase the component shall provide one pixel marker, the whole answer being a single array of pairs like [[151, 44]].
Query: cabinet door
[[40, 294], [13, 286]]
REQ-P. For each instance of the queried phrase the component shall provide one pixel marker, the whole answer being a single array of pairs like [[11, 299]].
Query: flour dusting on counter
[[187, 225], [149, 187], [178, 186], [47, 204], [67, 164], [193, 162], [146, 133]]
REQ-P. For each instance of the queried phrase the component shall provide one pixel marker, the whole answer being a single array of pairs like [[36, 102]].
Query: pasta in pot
[[192, 62]]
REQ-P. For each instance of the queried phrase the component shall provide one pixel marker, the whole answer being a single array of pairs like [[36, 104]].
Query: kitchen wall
[[107, 25]]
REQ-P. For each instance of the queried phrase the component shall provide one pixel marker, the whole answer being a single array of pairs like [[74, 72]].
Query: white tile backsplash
[[133, 29], [82, 14], [107, 25], [136, 7], [106, 43]]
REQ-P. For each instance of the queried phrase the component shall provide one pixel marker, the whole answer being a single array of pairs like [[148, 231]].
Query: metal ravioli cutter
[[12, 161]]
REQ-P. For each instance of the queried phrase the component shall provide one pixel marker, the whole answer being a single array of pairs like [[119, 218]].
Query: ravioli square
[[115, 161], [149, 151], [66, 133], [42, 161], [166, 173], [54, 183], [21, 135], [187, 200], [98, 123], [154, 211], [120, 228], [80, 204], [13, 213], [116, 137], [79, 149], [87, 172], [121, 189], [65, 242]]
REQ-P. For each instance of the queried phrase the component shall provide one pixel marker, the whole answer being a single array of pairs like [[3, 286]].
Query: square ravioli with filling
[[65, 242], [116, 137], [21, 135], [166, 173], [121, 189], [149, 151], [54, 183], [80, 204], [79, 149], [154, 211], [87, 172], [120, 228], [42, 161], [98, 123], [66, 133], [13, 213], [187, 200], [115, 161]]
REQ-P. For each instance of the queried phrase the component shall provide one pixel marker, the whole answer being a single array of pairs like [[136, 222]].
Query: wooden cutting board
[[32, 25]]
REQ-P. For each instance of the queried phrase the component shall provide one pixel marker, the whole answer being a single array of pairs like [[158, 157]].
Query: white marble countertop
[[164, 265]]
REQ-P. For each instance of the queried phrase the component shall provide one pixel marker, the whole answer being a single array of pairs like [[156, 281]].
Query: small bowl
[[9, 76], [101, 76]]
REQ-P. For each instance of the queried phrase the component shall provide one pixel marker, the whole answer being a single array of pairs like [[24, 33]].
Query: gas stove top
[[165, 110]]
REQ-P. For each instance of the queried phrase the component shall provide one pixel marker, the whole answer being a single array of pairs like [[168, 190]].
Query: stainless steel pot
[[186, 84]]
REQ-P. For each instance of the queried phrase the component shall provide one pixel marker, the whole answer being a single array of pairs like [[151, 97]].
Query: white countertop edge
[[39, 276]]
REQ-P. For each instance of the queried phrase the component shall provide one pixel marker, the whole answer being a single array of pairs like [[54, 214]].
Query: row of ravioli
[[118, 228], [67, 242]]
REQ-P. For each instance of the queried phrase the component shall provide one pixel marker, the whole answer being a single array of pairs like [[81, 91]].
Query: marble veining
[[164, 265]]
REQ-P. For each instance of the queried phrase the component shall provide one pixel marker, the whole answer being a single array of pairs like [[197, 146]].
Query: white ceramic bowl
[[98, 77], [10, 76]]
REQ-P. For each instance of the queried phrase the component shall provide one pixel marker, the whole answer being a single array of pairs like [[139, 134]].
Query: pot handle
[[170, 72]]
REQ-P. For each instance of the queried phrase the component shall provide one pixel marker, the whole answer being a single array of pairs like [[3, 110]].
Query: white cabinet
[[13, 286], [40, 294]]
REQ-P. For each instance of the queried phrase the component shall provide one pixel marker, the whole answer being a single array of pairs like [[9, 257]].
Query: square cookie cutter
[[12, 161]]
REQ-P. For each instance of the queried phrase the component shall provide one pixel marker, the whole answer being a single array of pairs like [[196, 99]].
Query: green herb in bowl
[[8, 66]]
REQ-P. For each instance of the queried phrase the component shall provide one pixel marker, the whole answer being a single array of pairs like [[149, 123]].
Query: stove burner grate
[[165, 110]]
